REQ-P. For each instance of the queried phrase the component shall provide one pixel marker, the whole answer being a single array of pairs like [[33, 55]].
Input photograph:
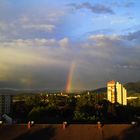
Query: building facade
[[5, 104], [116, 93]]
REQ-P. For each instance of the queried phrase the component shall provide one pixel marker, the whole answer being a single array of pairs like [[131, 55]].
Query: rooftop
[[72, 132]]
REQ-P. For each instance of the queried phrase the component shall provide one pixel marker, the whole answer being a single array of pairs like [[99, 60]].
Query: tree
[[85, 108]]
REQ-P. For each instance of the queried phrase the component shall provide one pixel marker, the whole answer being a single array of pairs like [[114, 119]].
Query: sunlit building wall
[[119, 92], [124, 96], [111, 91], [116, 93]]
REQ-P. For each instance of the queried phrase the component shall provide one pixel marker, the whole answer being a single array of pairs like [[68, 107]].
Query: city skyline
[[68, 44]]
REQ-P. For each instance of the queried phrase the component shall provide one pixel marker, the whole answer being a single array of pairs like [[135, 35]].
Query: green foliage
[[71, 101], [123, 113], [85, 108], [134, 102], [33, 100], [20, 110], [40, 112], [79, 116], [86, 100]]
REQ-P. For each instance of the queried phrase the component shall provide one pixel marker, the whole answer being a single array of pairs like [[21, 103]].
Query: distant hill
[[133, 88], [13, 91], [18, 91], [100, 90]]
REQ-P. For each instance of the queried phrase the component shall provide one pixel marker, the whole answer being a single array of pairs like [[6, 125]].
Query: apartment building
[[116, 92], [5, 104]]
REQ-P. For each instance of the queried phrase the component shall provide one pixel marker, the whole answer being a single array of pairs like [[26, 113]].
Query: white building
[[116, 93], [5, 104], [119, 92], [124, 96]]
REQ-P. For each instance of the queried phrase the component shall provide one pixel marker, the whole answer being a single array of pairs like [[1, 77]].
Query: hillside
[[133, 87], [100, 90]]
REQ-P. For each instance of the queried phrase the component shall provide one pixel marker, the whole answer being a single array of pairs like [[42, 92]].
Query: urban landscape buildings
[[116, 93]]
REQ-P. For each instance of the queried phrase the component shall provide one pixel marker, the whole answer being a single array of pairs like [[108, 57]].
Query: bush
[[39, 113]]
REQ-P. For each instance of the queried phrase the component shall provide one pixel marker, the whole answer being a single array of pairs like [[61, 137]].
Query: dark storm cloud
[[97, 8], [53, 77]]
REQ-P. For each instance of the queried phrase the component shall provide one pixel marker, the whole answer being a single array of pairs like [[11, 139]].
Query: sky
[[86, 43]]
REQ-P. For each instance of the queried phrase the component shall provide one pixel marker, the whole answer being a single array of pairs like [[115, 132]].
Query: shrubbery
[[87, 108]]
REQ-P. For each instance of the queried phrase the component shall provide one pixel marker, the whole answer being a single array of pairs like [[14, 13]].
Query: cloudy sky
[[40, 40]]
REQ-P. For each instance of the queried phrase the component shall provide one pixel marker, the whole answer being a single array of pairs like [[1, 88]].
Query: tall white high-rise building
[[124, 96], [116, 93], [119, 92]]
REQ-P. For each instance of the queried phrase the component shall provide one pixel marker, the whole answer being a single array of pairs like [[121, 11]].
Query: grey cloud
[[64, 42], [133, 36], [102, 31], [129, 4], [98, 60], [126, 4], [107, 41], [112, 57], [41, 27], [127, 66], [41, 68], [35, 42], [97, 8], [119, 48], [53, 77], [27, 25]]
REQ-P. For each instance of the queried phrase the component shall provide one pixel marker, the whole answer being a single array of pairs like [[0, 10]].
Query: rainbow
[[70, 76]]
